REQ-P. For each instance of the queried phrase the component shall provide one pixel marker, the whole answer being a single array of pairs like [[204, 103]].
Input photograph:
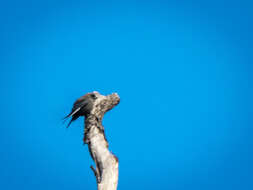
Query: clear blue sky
[[183, 71]]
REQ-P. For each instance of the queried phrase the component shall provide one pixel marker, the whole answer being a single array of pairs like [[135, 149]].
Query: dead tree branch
[[106, 170]]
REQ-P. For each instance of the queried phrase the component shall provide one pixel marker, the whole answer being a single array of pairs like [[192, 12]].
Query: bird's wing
[[72, 113], [76, 107], [80, 103]]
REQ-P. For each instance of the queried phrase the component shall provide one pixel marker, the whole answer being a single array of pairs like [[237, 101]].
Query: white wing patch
[[75, 111]]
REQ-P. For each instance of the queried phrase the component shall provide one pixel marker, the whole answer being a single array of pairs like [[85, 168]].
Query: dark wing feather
[[79, 103], [74, 117], [77, 106]]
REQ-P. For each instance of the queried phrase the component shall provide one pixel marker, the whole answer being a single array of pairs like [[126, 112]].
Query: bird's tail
[[71, 114], [65, 119], [69, 123]]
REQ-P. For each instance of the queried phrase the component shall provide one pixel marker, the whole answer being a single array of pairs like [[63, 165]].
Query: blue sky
[[183, 71]]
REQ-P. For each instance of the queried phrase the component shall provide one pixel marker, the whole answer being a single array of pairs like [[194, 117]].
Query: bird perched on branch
[[82, 106]]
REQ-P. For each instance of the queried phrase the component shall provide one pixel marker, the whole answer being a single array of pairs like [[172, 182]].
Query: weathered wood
[[106, 170]]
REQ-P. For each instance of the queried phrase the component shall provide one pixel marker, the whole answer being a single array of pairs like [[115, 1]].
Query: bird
[[82, 107]]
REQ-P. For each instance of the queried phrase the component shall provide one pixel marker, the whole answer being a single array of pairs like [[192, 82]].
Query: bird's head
[[96, 102], [92, 103], [90, 97]]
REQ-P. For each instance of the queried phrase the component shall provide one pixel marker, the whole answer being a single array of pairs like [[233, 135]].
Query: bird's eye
[[93, 96]]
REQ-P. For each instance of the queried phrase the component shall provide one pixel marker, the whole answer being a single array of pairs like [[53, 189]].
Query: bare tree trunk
[[106, 170]]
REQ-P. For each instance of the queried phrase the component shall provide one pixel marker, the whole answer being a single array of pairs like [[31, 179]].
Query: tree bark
[[106, 170]]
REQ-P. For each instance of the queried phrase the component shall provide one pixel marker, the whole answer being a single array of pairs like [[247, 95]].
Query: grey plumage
[[82, 107]]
